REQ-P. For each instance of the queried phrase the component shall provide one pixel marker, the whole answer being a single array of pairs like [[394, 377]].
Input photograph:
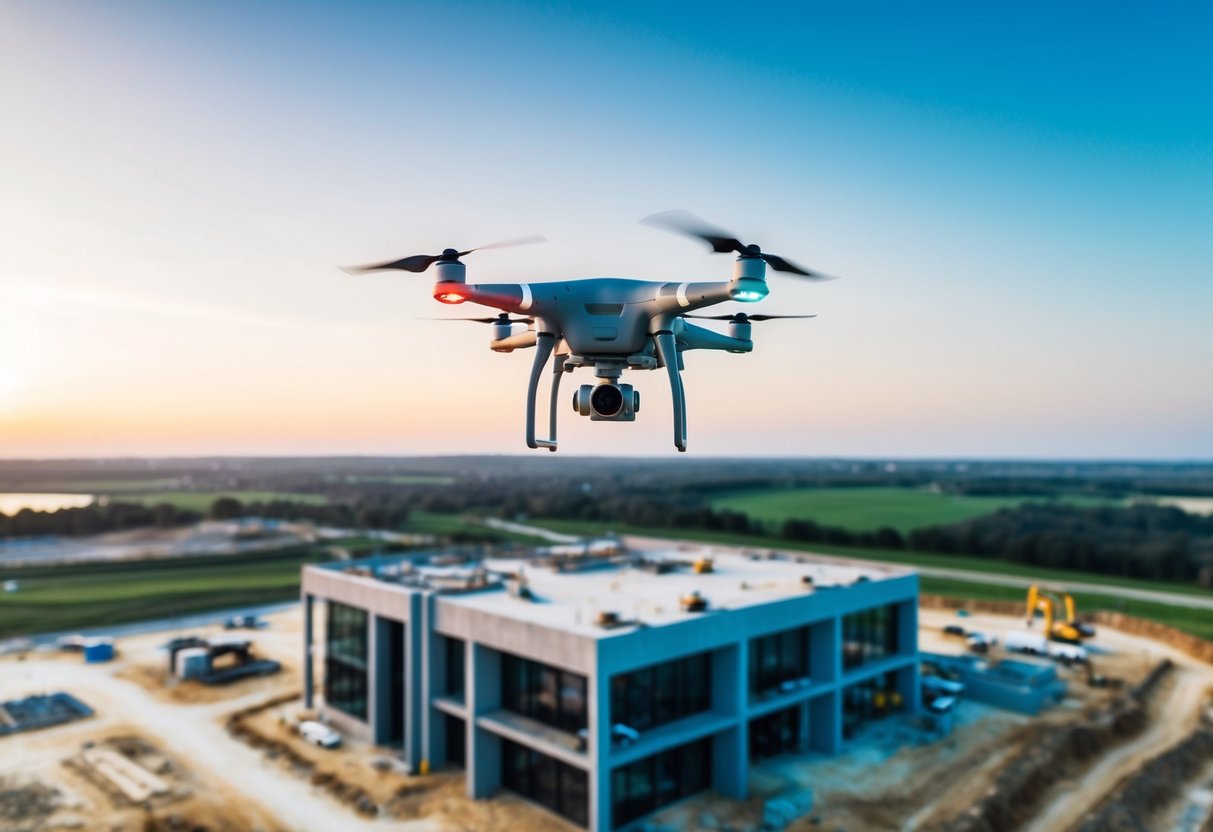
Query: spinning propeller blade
[[496, 319], [741, 317], [418, 263], [722, 242]]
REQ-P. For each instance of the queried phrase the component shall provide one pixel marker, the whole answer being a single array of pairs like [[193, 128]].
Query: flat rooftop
[[568, 587]]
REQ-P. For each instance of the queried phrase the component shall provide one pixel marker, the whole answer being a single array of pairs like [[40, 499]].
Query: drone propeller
[[722, 242], [503, 318], [741, 317], [418, 263]]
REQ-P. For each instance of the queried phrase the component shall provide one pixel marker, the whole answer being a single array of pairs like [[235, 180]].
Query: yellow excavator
[[1069, 629]]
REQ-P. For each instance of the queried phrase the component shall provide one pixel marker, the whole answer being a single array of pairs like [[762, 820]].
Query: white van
[[1036, 644], [317, 733]]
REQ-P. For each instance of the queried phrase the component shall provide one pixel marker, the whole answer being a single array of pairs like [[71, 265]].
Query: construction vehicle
[[1041, 645], [1069, 630]]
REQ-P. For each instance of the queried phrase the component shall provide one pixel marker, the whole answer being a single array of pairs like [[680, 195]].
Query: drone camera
[[607, 402]]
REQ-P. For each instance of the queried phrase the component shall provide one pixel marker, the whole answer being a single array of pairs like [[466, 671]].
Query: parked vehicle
[[980, 642], [317, 733], [1037, 645], [953, 630]]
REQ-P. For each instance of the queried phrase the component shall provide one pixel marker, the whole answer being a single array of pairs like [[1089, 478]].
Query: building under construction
[[605, 685]]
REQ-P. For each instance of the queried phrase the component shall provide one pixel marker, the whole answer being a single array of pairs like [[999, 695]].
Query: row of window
[[652, 696], [561, 787], [646, 785], [778, 659], [775, 734], [869, 700], [869, 635], [554, 697], [345, 660]]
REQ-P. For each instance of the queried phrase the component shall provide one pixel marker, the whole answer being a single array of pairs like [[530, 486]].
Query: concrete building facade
[[605, 686]]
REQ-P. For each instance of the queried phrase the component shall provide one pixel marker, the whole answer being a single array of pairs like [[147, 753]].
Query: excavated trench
[[1058, 752]]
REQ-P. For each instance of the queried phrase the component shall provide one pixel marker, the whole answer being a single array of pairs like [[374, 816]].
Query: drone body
[[610, 324]]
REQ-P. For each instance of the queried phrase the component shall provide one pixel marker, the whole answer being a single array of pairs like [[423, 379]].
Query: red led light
[[450, 297]]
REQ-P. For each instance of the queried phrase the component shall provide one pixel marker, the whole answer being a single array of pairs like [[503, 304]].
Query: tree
[[226, 508]]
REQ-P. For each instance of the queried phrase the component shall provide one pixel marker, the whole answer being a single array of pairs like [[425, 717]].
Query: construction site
[[1106, 725]]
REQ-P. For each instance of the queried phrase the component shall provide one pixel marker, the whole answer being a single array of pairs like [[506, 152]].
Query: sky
[[1018, 198]]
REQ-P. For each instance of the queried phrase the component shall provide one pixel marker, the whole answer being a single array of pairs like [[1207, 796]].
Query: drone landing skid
[[545, 342]]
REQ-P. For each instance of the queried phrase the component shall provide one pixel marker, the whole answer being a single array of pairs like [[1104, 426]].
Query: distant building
[[605, 685]]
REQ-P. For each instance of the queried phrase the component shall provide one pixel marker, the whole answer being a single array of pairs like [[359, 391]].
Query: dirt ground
[[891, 778]]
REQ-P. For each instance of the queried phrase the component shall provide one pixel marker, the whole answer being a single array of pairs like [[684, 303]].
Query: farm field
[[90, 595], [866, 509]]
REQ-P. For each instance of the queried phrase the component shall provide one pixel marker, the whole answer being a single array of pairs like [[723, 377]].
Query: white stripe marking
[[526, 297], [682, 294]]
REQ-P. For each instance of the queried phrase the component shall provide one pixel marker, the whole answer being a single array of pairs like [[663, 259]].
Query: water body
[[11, 503]]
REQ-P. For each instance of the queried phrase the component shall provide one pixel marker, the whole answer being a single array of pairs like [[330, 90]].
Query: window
[[456, 741], [869, 700], [345, 660], [869, 635], [778, 659], [652, 696], [646, 785], [557, 785], [554, 697], [775, 734], [455, 668]]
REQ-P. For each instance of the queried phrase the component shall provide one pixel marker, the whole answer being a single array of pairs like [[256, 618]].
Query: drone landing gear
[[667, 351], [544, 343]]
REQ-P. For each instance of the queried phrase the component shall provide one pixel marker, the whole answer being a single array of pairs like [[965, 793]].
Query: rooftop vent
[[607, 619], [694, 602], [703, 566]]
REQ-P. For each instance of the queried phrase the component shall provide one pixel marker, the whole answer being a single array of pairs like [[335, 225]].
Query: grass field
[[200, 501], [864, 509], [91, 595]]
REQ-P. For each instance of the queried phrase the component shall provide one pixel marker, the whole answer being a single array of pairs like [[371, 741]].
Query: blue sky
[[1018, 196]]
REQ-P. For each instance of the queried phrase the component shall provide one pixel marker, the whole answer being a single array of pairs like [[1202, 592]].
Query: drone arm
[[678, 298], [544, 343], [693, 337], [667, 351]]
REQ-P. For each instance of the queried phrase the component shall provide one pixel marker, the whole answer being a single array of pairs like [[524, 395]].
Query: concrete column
[[414, 661], [432, 679], [598, 720], [825, 723], [907, 645], [379, 687], [825, 650], [730, 694], [308, 697], [483, 688]]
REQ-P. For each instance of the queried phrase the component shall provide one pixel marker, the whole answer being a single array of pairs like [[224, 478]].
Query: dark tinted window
[[652, 696], [646, 785], [552, 696], [345, 660]]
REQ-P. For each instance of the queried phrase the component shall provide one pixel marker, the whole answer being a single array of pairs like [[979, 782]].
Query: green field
[[864, 509], [70, 597], [200, 501]]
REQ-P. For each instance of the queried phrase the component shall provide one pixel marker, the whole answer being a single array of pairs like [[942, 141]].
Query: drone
[[610, 324]]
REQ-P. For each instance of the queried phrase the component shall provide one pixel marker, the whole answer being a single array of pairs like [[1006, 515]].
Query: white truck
[[1038, 645]]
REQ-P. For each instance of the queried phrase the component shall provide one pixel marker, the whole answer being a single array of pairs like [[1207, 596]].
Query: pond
[[13, 502]]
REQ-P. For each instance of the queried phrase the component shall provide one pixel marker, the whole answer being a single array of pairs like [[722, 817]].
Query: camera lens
[[607, 400]]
